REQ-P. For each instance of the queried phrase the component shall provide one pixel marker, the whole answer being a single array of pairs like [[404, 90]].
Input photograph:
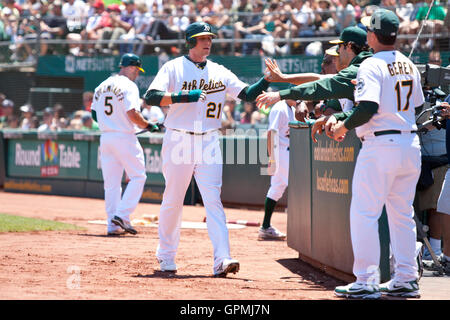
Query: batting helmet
[[130, 59], [197, 29]]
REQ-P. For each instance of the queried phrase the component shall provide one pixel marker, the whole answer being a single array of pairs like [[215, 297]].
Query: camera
[[433, 79], [434, 76]]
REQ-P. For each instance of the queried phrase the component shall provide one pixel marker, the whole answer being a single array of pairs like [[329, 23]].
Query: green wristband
[[186, 96]]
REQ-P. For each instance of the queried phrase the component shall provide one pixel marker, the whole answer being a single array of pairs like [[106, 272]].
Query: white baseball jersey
[[346, 104], [119, 147], [182, 74], [391, 80], [279, 117], [388, 166], [202, 116], [112, 99]]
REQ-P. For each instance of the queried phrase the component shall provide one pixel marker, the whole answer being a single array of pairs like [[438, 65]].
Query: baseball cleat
[[117, 232], [227, 266], [167, 266], [357, 290], [394, 288], [124, 225], [271, 233]]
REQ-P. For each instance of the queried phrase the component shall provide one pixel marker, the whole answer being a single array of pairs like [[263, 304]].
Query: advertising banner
[[53, 159]]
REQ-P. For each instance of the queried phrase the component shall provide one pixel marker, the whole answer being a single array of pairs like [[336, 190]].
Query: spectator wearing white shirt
[[302, 18], [404, 13], [75, 13], [98, 20], [27, 115], [153, 114], [48, 121]]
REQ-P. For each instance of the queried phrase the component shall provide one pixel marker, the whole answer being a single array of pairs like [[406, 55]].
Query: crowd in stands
[[53, 118], [165, 19], [256, 26]]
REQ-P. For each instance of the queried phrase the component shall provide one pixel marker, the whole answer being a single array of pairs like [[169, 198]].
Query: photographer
[[433, 169], [443, 203]]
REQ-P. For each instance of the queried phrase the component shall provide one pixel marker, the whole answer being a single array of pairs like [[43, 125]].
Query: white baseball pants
[[185, 155], [119, 151], [443, 204], [279, 181], [386, 172]]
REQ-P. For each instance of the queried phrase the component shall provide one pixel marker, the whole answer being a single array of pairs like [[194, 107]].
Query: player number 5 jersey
[[112, 99], [393, 81]]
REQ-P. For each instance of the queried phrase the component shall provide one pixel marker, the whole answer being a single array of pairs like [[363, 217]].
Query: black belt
[[383, 132], [194, 133]]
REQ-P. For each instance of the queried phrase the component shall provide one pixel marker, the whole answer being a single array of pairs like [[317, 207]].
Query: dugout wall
[[319, 196]]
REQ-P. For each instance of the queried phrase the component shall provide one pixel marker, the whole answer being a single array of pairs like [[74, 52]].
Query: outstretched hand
[[318, 127], [266, 99], [273, 72], [337, 131]]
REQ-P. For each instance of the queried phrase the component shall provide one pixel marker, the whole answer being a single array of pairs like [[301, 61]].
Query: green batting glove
[[154, 127]]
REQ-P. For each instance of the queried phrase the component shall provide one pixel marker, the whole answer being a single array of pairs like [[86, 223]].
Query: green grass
[[9, 223]]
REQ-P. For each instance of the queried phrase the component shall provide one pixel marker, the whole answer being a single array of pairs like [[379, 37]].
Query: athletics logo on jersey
[[360, 85]]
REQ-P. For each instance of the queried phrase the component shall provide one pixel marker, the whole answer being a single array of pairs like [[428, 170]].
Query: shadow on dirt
[[172, 275], [306, 273]]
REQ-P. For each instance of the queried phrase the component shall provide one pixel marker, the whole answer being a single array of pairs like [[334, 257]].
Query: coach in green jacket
[[352, 48]]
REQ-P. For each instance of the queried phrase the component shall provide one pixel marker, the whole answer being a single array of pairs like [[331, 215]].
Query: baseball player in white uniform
[[116, 108], [195, 88], [388, 166], [280, 115]]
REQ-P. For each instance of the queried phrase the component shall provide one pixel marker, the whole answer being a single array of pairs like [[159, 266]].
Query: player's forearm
[[250, 93], [161, 98], [158, 98], [361, 114], [300, 78], [137, 118], [325, 88]]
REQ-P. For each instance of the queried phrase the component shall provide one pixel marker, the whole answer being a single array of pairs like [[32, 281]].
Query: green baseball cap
[[130, 59], [383, 22], [198, 29], [353, 34]]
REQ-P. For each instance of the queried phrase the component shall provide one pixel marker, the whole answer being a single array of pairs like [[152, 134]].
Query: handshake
[[333, 128]]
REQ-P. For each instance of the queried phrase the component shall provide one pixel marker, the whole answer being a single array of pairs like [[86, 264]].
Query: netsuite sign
[[90, 64]]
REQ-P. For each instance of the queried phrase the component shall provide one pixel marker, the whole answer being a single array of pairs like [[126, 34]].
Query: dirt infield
[[88, 265]]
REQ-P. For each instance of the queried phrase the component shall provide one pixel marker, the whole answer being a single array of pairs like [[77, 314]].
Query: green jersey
[[336, 87]]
